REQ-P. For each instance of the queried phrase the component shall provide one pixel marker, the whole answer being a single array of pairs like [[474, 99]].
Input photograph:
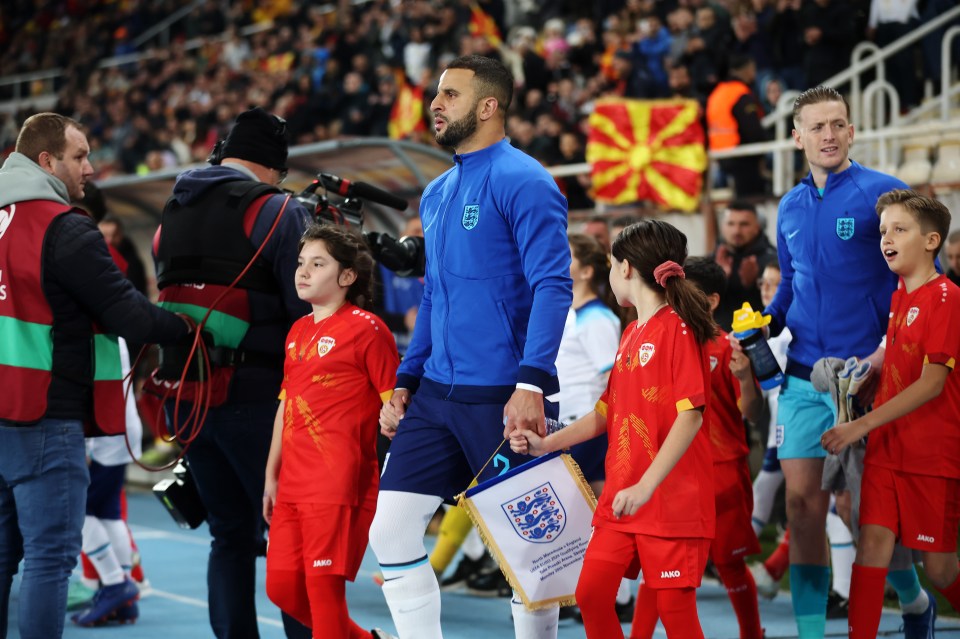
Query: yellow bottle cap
[[745, 318]]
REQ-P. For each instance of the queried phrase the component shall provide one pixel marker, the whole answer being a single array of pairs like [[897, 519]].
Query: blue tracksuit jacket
[[836, 287], [497, 285]]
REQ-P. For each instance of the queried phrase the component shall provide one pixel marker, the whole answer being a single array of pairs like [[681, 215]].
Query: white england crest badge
[[912, 314], [471, 216], [325, 344], [537, 516], [845, 227], [646, 353]]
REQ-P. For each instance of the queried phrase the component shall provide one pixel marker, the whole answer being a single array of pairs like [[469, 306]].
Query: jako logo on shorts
[[669, 574], [322, 563]]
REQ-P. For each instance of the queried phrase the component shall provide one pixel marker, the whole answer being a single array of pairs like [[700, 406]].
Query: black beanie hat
[[259, 137]]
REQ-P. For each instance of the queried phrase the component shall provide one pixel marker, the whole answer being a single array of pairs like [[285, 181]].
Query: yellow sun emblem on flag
[[647, 150]]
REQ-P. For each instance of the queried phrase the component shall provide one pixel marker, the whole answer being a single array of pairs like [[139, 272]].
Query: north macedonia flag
[[481, 24], [647, 150], [406, 116]]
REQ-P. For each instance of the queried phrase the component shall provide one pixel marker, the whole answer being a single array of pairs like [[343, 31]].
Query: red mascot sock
[[89, 572], [952, 593], [866, 601], [678, 611], [597, 598], [328, 605], [288, 590], [779, 560], [742, 590], [645, 614]]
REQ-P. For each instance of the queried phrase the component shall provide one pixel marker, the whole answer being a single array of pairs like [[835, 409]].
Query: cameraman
[[211, 229]]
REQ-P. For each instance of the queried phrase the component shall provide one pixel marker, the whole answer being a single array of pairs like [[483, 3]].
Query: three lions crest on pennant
[[537, 516]]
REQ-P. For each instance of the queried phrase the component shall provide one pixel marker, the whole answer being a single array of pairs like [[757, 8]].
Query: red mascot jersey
[[337, 374], [923, 329], [660, 370]]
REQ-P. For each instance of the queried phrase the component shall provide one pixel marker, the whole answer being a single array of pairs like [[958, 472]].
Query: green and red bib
[[26, 326]]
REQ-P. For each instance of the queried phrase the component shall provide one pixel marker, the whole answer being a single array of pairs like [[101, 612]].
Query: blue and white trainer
[[920, 626], [106, 602]]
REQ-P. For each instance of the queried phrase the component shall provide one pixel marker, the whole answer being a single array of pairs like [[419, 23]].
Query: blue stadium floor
[[175, 563]]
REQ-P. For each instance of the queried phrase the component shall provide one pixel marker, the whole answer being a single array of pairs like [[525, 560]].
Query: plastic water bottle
[[746, 328]]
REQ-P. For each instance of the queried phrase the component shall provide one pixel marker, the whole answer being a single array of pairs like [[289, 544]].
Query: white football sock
[[120, 541], [842, 554], [410, 585], [765, 488], [536, 624], [413, 597], [96, 544], [918, 606]]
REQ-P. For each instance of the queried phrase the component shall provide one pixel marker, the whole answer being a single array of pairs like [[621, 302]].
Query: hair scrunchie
[[667, 270]]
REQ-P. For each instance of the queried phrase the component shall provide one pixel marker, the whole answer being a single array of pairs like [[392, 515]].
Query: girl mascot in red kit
[[657, 508], [322, 476]]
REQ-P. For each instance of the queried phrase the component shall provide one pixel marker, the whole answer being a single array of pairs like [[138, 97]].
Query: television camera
[[405, 256]]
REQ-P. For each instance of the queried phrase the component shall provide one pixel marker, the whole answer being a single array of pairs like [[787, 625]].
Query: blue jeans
[[43, 492], [228, 460]]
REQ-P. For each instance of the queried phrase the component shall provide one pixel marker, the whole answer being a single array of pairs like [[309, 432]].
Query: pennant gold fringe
[[467, 504]]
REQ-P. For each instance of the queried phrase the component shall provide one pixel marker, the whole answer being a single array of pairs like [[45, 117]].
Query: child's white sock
[[97, 546], [120, 541], [765, 488], [842, 554]]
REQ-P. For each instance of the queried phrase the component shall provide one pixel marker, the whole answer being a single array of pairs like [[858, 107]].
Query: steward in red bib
[[26, 362], [60, 296]]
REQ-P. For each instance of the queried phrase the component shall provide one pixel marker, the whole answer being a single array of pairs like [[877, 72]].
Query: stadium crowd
[[333, 72], [318, 73]]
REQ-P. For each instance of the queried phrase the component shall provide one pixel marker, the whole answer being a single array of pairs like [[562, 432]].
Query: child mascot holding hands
[[657, 508], [911, 477], [322, 476]]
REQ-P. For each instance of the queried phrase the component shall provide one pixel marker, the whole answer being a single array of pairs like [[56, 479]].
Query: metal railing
[[162, 28], [868, 105], [868, 109], [118, 60], [20, 79], [946, 53], [778, 146], [874, 62]]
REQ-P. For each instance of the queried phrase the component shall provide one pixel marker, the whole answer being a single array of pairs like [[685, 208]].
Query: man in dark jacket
[[212, 227], [742, 252], [60, 296], [734, 117], [829, 31]]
